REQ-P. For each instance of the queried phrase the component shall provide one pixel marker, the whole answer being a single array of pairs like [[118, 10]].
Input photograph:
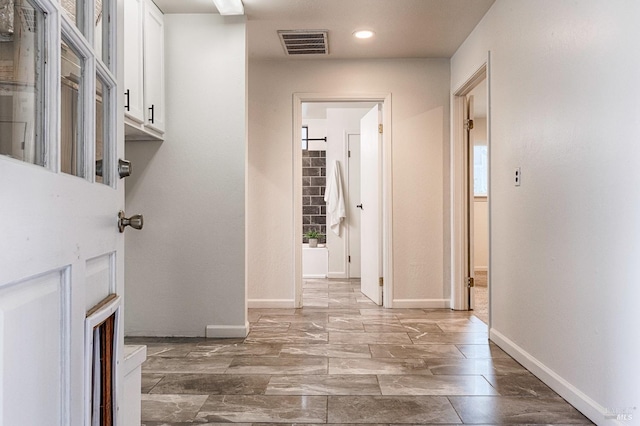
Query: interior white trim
[[271, 303], [225, 331], [422, 303], [572, 394], [387, 187]]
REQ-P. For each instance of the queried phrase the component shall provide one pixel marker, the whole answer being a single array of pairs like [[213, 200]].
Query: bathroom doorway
[[330, 129]]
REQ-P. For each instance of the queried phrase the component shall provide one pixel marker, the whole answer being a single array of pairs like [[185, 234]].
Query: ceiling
[[404, 28]]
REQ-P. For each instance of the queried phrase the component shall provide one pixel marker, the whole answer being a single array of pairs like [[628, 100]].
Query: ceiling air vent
[[304, 42]]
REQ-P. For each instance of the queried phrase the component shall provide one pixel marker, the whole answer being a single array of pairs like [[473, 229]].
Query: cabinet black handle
[[151, 118], [126, 104]]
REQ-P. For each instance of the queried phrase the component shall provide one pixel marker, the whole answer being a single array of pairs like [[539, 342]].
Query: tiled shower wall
[[314, 181]]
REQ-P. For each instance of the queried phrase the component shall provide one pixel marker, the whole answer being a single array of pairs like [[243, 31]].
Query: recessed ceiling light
[[363, 34]]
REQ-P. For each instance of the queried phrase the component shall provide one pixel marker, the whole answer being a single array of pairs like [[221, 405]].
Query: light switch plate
[[518, 176]]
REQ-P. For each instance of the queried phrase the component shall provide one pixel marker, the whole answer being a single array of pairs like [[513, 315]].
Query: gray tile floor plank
[[387, 409], [328, 350], [435, 385], [171, 408], [516, 410], [331, 384], [263, 408], [268, 365], [378, 366], [212, 384], [415, 351]]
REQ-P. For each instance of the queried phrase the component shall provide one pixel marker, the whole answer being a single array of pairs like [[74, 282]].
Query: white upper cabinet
[[154, 67], [133, 61], [144, 70]]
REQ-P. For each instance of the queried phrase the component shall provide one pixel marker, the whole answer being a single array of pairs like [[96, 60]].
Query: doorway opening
[[470, 196], [479, 191], [327, 191]]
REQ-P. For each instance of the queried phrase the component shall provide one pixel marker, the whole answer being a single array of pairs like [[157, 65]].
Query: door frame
[[387, 190], [460, 187]]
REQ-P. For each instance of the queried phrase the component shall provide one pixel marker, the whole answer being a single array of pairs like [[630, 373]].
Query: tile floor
[[343, 360]]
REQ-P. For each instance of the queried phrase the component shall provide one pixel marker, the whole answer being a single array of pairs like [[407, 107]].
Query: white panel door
[[353, 199], [58, 233], [470, 199], [371, 212]]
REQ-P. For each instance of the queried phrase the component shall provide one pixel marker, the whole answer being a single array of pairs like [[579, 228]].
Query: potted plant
[[313, 236]]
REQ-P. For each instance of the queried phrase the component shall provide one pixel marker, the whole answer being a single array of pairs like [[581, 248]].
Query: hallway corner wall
[[185, 271]]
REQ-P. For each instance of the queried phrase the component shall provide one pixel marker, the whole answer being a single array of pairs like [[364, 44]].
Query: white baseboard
[[223, 331], [481, 268], [337, 275], [587, 406], [314, 276], [421, 303], [148, 333], [271, 303]]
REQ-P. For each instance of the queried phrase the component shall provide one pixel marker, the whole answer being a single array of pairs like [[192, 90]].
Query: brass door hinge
[[470, 282], [468, 124], [380, 128], [381, 281]]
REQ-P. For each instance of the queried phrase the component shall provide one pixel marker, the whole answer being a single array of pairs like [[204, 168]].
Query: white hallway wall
[[420, 115], [565, 108], [185, 271]]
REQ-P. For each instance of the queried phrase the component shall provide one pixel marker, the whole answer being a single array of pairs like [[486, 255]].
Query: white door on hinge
[[353, 199], [470, 196], [60, 249], [370, 200]]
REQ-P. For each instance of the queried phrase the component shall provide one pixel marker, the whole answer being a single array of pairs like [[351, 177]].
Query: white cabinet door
[[133, 60], [154, 67]]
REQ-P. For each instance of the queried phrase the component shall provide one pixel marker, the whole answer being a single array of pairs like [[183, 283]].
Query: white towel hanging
[[334, 198]]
